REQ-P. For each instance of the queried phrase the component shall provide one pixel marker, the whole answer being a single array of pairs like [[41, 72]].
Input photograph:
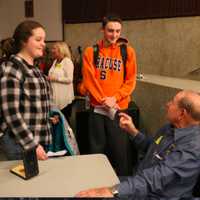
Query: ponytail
[[8, 47]]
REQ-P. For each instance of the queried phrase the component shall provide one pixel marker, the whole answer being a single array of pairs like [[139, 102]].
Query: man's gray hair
[[188, 105]]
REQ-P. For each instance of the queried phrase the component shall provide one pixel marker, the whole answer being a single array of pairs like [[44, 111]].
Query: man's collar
[[182, 132]]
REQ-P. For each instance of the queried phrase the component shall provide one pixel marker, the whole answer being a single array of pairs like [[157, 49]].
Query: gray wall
[[169, 47], [151, 100]]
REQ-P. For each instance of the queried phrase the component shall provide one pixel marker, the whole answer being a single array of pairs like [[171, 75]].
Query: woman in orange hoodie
[[109, 90]]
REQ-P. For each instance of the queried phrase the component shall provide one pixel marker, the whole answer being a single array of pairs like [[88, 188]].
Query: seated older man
[[171, 165]]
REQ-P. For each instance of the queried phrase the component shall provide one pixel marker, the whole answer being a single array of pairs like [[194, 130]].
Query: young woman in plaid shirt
[[24, 95]]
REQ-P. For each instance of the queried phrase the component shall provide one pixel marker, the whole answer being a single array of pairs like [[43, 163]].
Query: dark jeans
[[105, 136], [10, 148]]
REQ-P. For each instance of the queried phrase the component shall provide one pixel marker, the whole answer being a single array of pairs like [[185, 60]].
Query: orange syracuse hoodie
[[106, 79]]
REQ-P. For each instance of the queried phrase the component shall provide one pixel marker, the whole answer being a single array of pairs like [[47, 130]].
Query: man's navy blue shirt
[[170, 167]]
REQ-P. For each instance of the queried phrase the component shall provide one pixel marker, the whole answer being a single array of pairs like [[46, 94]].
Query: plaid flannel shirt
[[25, 103]]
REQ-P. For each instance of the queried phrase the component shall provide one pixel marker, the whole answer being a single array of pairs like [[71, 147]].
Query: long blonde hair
[[63, 49]]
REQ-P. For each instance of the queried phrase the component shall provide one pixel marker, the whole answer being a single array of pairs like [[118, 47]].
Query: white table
[[59, 177]]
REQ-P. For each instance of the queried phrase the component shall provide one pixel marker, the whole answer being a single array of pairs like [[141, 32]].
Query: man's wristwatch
[[114, 190]]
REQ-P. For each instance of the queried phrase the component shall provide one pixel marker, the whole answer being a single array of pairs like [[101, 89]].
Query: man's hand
[[98, 192], [127, 124], [110, 102], [41, 154]]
